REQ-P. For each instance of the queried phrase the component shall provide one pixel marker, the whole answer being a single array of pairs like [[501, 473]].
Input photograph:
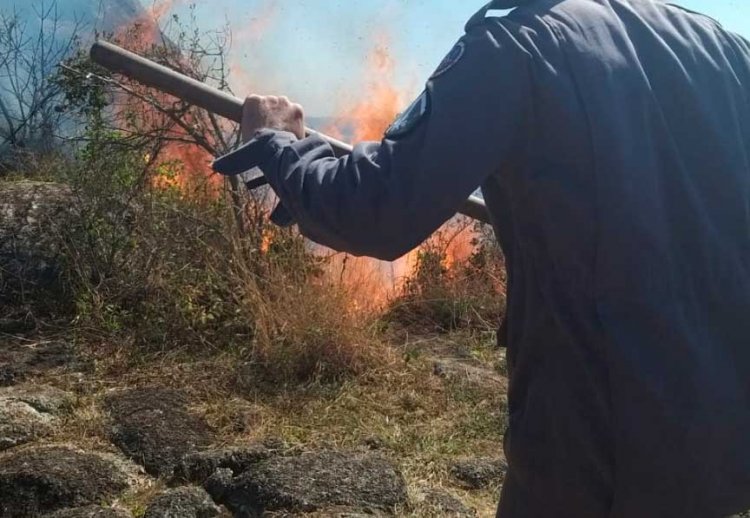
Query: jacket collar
[[495, 4]]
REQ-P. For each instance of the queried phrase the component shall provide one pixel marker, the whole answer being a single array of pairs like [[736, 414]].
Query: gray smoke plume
[[94, 15], [35, 36]]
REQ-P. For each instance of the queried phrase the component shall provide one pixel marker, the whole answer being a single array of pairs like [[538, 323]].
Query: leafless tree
[[146, 119], [158, 125], [30, 50]]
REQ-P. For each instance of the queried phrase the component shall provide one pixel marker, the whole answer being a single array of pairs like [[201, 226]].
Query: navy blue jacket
[[611, 139]]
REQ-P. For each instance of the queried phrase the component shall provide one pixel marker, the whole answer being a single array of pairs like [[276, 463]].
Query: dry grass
[[442, 295], [420, 420], [161, 271], [266, 345], [305, 326]]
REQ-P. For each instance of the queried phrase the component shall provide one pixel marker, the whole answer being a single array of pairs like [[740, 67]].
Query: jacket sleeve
[[387, 197]]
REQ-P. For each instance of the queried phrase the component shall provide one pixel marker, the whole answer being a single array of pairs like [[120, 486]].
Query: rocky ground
[[96, 430], [81, 436]]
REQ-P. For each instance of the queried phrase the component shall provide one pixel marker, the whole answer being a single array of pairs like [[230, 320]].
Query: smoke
[[266, 14], [366, 114], [247, 49], [160, 8]]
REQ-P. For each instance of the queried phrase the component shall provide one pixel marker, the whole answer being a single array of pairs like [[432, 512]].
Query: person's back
[[627, 217], [612, 142]]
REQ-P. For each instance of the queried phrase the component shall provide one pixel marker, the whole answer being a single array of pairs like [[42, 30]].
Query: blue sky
[[315, 51]]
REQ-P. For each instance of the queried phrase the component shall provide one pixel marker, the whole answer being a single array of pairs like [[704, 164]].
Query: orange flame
[[266, 241], [368, 119], [184, 167], [372, 282]]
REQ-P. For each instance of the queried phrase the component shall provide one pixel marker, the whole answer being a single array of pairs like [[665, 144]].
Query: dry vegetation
[[268, 348], [266, 345], [420, 420]]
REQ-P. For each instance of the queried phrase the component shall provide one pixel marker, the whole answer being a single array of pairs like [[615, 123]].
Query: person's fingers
[[252, 102], [251, 108], [270, 111], [297, 119]]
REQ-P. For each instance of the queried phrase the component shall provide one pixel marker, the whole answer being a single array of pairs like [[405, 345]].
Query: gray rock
[[440, 503], [153, 427], [198, 467], [30, 214], [220, 486], [19, 361], [28, 412], [183, 502], [479, 473], [311, 482], [332, 512], [44, 480], [91, 511]]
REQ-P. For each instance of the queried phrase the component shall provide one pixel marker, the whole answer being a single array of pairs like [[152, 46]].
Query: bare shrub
[[30, 118], [164, 264], [305, 325]]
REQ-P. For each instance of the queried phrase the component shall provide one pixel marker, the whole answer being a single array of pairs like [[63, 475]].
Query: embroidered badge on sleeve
[[410, 118], [453, 57]]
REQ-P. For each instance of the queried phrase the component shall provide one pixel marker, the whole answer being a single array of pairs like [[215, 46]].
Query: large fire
[[370, 282], [179, 164], [379, 104], [373, 282]]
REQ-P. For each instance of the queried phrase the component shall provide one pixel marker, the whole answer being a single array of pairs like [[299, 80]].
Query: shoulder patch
[[453, 57], [409, 118]]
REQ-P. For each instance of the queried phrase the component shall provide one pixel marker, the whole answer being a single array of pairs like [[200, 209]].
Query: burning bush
[[306, 327], [158, 270], [445, 293], [164, 257]]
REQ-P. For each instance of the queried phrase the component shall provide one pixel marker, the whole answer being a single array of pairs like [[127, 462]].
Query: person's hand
[[270, 112]]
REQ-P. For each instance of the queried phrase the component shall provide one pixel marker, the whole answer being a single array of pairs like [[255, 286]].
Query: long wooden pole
[[145, 71]]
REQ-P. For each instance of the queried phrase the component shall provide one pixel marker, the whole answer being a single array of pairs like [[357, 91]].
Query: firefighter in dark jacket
[[611, 141]]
